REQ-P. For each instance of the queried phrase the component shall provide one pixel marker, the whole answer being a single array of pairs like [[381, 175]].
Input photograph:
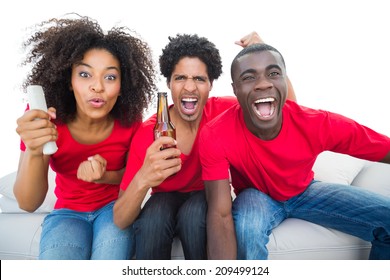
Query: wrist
[[34, 153], [141, 184]]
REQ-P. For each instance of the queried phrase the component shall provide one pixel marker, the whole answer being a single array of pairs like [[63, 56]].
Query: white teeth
[[189, 99], [265, 107], [269, 99]]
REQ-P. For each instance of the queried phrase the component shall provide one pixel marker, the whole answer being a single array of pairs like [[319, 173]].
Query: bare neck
[[186, 132]]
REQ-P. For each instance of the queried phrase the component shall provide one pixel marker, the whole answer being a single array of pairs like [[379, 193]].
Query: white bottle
[[36, 99]]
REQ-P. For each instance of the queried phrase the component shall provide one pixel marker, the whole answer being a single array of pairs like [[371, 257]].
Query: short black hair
[[252, 49], [185, 45]]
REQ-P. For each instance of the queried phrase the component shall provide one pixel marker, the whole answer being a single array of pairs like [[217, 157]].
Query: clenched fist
[[92, 169]]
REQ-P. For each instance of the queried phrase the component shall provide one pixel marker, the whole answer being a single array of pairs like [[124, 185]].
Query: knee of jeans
[[151, 224], [248, 221], [193, 214], [244, 226], [246, 195], [113, 234], [189, 225], [64, 251], [124, 241]]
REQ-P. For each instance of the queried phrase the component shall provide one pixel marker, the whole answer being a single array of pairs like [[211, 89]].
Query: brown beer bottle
[[164, 126]]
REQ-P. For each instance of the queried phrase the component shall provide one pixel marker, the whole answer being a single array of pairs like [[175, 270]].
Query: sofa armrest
[[8, 203], [337, 168], [20, 235], [374, 176]]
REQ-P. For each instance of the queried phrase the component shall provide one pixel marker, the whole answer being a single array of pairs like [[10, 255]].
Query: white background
[[337, 52]]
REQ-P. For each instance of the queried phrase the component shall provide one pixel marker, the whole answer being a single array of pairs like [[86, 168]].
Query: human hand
[[250, 39], [92, 169], [159, 164], [35, 129]]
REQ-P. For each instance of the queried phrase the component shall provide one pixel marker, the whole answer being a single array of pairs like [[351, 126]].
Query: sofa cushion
[[296, 239], [21, 238], [375, 176], [6, 185], [337, 168], [9, 205], [8, 202]]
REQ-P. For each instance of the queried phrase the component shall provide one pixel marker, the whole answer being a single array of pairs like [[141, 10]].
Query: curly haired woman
[[97, 86]]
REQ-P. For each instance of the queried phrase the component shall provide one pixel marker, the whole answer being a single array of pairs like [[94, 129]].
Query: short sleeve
[[139, 144], [215, 165]]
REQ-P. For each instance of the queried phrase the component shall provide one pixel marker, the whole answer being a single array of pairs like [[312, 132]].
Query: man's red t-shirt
[[189, 177], [282, 167]]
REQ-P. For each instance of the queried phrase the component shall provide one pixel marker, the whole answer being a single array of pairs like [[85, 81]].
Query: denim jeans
[[169, 214], [72, 235], [349, 209]]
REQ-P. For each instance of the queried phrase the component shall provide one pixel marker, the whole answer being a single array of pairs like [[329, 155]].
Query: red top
[[79, 195], [189, 177], [282, 167]]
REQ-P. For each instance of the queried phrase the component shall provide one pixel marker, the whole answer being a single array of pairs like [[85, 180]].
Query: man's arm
[[290, 92], [221, 237], [157, 166]]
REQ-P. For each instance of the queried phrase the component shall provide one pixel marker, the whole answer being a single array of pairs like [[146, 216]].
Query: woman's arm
[[31, 184]]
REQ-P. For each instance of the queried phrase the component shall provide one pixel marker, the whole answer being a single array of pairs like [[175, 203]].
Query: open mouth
[[265, 107], [189, 105]]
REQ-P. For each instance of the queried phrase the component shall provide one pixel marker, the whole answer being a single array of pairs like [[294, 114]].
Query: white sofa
[[293, 239]]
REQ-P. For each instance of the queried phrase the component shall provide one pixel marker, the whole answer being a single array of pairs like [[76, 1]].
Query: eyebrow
[[89, 66], [251, 70], [194, 76], [274, 66]]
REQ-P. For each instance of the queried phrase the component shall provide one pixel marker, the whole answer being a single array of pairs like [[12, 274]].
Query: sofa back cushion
[[8, 203]]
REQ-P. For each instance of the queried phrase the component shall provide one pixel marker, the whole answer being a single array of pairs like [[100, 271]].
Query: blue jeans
[[348, 209], [72, 235], [169, 214]]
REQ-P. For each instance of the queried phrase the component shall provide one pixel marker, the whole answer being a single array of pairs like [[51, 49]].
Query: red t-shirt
[[189, 177], [79, 195], [282, 167]]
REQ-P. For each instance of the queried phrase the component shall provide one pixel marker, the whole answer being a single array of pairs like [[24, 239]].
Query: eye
[[84, 74], [200, 79], [180, 78], [111, 77], [274, 74], [248, 78]]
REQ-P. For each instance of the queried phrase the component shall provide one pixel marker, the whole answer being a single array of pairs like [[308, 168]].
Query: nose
[[190, 85], [263, 83], [97, 86]]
